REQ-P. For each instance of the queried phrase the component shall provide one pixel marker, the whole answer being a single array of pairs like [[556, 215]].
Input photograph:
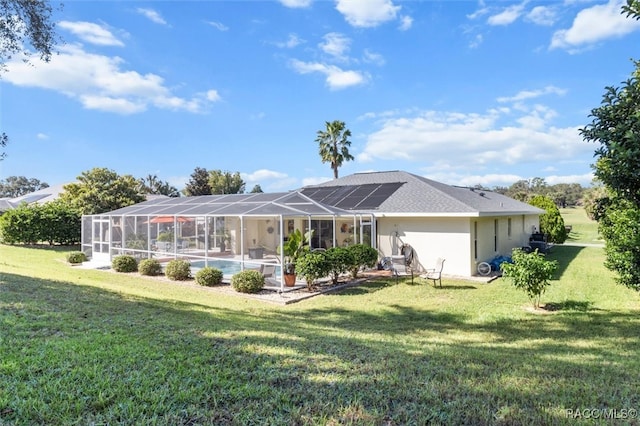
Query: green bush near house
[[178, 270], [247, 281], [362, 256], [76, 257], [124, 263], [209, 276], [312, 266], [150, 267]]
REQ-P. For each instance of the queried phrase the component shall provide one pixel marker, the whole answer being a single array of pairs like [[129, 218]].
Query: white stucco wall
[[430, 238], [454, 239]]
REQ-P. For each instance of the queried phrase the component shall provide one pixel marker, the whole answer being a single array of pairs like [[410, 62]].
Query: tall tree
[[198, 184], [257, 189], [334, 143], [100, 190], [15, 186], [632, 9], [225, 182], [551, 223], [152, 185], [25, 26], [616, 127]]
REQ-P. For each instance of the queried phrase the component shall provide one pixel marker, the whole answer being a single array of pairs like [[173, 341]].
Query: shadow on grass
[[564, 255], [135, 360], [568, 305]]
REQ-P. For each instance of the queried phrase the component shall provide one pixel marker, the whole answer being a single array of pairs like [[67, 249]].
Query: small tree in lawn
[[530, 272]]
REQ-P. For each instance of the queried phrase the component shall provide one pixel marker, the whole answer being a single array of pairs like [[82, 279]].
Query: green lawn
[[583, 229], [95, 347]]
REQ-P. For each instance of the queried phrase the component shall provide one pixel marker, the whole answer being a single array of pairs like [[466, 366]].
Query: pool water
[[227, 267]]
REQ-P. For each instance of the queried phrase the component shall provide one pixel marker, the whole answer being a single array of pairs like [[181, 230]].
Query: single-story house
[[387, 210], [40, 196], [463, 225]]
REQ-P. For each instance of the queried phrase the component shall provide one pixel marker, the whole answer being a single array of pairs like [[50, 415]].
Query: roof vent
[[482, 194]]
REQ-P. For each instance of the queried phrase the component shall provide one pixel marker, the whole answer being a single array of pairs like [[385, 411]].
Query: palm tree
[[334, 145]]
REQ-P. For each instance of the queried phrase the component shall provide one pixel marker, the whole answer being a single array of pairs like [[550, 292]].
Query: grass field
[[583, 229], [94, 347]]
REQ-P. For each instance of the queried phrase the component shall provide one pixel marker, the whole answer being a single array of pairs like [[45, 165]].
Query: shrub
[[361, 255], [551, 223], [311, 266], [209, 276], [178, 270], [248, 281], [530, 272], [76, 257], [124, 263], [149, 267], [338, 261]]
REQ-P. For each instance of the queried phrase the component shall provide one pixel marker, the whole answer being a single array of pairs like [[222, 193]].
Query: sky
[[462, 92]]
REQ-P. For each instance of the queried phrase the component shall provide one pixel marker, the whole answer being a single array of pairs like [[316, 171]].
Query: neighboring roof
[[40, 196], [5, 204], [419, 196], [257, 204]]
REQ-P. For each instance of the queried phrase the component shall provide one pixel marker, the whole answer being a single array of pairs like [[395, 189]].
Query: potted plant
[[294, 247]]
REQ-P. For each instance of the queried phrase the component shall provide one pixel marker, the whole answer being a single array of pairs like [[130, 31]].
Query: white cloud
[[91, 33], [262, 175], [584, 179], [595, 24], [292, 41], [476, 42], [482, 10], [496, 137], [336, 45], [507, 16], [213, 95], [315, 180], [42, 136], [542, 15], [152, 15], [99, 82], [530, 94], [373, 57], [336, 78], [218, 25], [367, 13], [296, 3], [405, 23]]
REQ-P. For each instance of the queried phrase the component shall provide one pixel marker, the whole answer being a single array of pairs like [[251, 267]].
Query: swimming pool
[[228, 267]]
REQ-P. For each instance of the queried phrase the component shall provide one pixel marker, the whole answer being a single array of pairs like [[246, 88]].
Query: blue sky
[[463, 92]]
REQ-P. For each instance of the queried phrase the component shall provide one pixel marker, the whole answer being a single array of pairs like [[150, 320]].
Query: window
[[495, 235], [475, 240], [509, 228]]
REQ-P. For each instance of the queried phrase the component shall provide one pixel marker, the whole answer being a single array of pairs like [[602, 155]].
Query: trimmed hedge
[[209, 276], [124, 263], [75, 257], [150, 267], [178, 270], [54, 222], [248, 281]]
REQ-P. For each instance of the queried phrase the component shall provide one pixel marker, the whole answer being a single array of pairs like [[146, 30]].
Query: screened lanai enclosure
[[228, 232]]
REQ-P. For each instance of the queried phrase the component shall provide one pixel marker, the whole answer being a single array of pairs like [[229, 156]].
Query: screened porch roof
[[260, 204]]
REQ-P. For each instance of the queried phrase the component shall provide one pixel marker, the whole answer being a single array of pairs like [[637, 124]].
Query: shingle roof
[[421, 196]]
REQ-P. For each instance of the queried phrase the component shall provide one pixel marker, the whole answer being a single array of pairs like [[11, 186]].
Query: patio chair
[[268, 271], [163, 246], [435, 274], [400, 268]]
